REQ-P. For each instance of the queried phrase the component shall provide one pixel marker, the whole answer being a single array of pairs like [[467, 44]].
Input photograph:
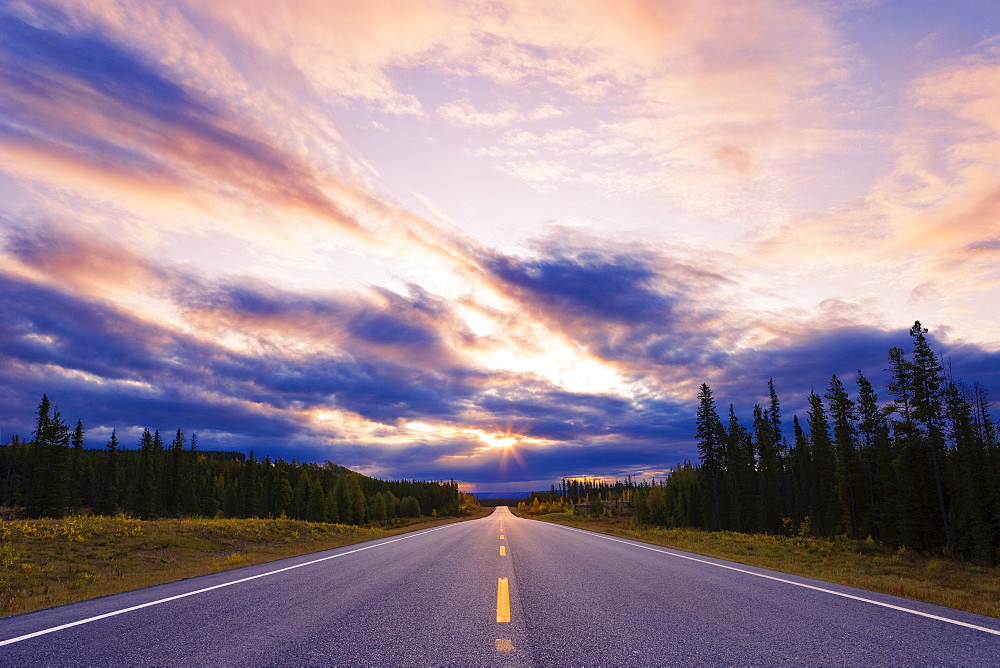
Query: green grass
[[49, 562], [857, 563]]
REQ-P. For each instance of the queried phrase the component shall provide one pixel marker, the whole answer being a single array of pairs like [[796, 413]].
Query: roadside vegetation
[[47, 562], [974, 587]]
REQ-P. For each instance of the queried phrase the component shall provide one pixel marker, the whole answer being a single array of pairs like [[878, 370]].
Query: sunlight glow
[[499, 440]]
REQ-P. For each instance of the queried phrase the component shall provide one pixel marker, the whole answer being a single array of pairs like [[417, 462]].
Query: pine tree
[[919, 482], [332, 510], [344, 502], [741, 476], [850, 480], [357, 500], [877, 457], [175, 480], [250, 488], [391, 505], [803, 484], [144, 502], [710, 436], [911, 504], [192, 493], [928, 378], [49, 491], [109, 493], [409, 507], [825, 515], [769, 471], [78, 477], [316, 511], [966, 482], [283, 493], [300, 497]]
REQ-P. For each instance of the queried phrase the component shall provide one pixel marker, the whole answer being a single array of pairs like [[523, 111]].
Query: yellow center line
[[503, 551], [503, 600], [504, 645], [501, 536]]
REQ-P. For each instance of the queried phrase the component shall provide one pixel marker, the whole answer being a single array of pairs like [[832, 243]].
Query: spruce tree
[[332, 510], [192, 496], [175, 479], [283, 493], [769, 471], [741, 476], [108, 496], [357, 500], [316, 510], [826, 512], [50, 486], [409, 507], [803, 484], [144, 496], [78, 478], [968, 496], [300, 497], [928, 379], [850, 476], [877, 456], [710, 434]]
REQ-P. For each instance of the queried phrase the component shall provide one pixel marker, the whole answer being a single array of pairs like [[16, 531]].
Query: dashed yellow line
[[504, 645], [503, 551], [503, 600], [501, 536]]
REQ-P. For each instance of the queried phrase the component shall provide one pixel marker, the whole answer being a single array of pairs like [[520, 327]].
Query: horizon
[[446, 241]]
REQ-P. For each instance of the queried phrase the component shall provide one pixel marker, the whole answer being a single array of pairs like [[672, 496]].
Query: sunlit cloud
[[501, 242]]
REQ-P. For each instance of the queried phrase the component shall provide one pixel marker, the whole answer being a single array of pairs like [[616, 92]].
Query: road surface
[[444, 595]]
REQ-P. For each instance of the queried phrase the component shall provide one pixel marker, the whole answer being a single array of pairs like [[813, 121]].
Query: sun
[[504, 441]]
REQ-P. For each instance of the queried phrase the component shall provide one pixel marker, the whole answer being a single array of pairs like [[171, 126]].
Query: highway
[[443, 596]]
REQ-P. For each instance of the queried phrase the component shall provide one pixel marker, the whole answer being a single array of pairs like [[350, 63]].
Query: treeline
[[54, 474], [920, 469]]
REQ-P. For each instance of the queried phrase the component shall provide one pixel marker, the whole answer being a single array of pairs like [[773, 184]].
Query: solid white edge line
[[113, 613], [791, 582]]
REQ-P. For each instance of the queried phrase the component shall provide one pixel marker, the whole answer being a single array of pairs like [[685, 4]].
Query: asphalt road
[[435, 597]]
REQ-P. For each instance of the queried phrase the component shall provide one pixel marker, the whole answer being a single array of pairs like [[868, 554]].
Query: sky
[[501, 242]]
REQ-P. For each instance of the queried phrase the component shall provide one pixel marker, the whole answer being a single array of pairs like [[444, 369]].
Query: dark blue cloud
[[93, 60], [389, 329], [615, 289]]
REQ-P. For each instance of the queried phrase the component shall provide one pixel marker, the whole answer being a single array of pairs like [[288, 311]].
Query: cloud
[[92, 102], [202, 230], [465, 114], [589, 286]]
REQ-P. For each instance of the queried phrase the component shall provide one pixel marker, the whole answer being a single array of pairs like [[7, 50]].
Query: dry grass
[[857, 563], [50, 562]]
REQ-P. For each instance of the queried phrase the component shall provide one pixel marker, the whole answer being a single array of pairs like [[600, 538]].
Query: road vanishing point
[[500, 591]]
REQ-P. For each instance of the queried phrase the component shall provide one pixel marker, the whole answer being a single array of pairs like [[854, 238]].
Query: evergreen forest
[[918, 469], [55, 474]]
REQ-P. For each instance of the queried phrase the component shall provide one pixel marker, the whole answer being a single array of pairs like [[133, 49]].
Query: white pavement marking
[[28, 636], [791, 582]]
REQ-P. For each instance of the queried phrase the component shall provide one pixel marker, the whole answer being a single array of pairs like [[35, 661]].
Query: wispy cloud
[[210, 220]]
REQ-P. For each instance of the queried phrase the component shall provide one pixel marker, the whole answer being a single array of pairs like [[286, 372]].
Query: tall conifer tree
[[710, 448]]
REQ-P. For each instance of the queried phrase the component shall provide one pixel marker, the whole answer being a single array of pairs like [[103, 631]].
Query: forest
[[55, 474], [919, 469]]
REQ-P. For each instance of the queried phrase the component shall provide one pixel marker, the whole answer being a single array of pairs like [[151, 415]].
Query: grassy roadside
[[51, 562], [864, 564]]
